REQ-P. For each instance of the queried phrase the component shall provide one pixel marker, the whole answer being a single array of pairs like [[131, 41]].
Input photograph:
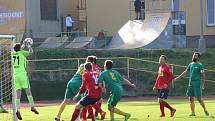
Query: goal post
[[7, 87]]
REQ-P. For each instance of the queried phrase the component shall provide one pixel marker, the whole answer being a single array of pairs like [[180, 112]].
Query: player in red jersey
[[162, 83], [96, 71], [94, 91]]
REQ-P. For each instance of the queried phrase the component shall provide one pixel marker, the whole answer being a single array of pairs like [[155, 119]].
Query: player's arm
[[182, 74], [169, 72], [82, 88], [101, 83], [203, 80], [155, 85], [30, 50], [127, 82], [24, 45]]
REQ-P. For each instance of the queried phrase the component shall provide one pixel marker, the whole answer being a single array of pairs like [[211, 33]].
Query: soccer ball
[[28, 41]]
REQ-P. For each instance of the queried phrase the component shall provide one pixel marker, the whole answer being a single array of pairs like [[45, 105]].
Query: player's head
[[88, 66], [17, 47], [196, 56], [90, 59], [108, 65], [162, 59]]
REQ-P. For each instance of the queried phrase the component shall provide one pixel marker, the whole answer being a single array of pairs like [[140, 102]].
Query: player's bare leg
[[111, 113], [203, 105], [192, 106], [18, 96], [118, 111], [31, 100], [62, 107]]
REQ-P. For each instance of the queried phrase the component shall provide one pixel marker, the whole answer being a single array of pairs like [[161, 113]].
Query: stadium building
[[48, 17]]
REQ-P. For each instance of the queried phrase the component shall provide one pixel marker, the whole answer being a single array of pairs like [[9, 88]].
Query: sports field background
[[139, 109]]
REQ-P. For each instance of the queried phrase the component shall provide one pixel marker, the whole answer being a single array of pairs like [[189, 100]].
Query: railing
[[142, 72], [40, 37]]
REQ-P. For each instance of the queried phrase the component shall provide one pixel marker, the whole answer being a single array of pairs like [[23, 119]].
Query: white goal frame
[[13, 39]]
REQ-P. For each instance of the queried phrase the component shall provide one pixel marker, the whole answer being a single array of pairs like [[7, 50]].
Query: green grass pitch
[[146, 110]]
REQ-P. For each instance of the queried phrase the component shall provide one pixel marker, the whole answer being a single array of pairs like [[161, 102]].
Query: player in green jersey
[[113, 82], [21, 76], [72, 88], [196, 71]]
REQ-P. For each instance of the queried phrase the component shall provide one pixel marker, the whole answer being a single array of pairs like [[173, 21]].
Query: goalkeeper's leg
[[31, 100], [18, 96]]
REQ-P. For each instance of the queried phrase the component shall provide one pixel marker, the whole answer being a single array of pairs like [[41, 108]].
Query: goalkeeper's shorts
[[21, 81]]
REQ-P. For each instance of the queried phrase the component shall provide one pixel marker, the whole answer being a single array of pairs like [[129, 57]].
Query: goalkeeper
[[21, 77]]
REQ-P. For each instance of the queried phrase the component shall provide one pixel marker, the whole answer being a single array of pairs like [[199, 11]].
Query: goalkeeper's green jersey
[[19, 61]]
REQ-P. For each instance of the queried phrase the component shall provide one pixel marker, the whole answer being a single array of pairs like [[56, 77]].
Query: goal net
[[7, 92]]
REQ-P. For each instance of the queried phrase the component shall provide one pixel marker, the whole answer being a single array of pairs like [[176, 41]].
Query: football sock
[[99, 105], [167, 106], [31, 101], [75, 114], [90, 111], [162, 108], [83, 113], [18, 104]]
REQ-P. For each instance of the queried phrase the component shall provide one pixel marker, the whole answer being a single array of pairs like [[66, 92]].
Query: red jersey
[[164, 77], [96, 71], [89, 84]]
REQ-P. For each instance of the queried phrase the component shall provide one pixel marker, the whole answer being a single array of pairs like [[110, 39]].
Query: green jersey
[[77, 78], [195, 70], [79, 73], [113, 80], [19, 61]]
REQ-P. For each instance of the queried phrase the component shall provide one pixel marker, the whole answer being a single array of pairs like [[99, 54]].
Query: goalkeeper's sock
[[75, 114], [18, 104], [31, 100]]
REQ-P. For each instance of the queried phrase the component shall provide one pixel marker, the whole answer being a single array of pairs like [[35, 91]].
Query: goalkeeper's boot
[[33, 109], [18, 115]]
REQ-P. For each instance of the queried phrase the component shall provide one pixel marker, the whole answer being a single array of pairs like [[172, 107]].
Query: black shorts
[[85, 101], [163, 93]]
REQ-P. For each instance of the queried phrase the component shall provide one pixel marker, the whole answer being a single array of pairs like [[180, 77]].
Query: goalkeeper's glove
[[28, 45], [23, 46]]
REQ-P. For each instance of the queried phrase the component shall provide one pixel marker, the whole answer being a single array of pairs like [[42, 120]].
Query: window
[[210, 12], [48, 9], [175, 5]]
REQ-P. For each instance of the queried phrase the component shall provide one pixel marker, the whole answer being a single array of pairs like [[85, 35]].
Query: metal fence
[[142, 72]]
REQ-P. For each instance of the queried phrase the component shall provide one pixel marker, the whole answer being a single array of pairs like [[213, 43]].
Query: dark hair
[[198, 53], [90, 59], [68, 14], [164, 57], [88, 66], [17, 47], [109, 64], [94, 59]]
